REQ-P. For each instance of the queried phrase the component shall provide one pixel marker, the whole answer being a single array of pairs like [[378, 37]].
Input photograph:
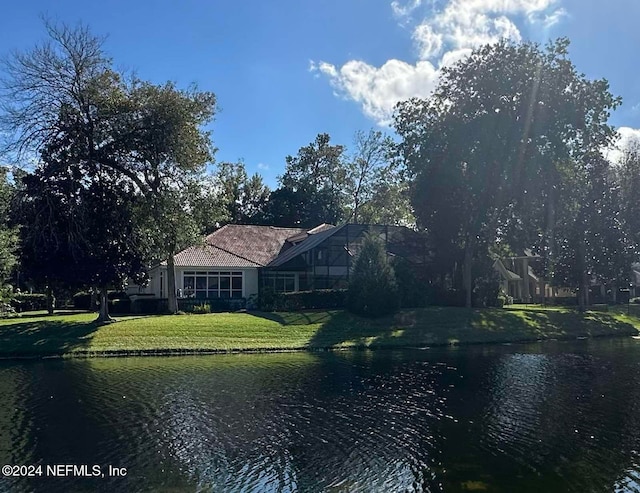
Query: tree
[[151, 135], [241, 197], [378, 192], [8, 234], [486, 148], [318, 177], [372, 285], [64, 242], [628, 179]]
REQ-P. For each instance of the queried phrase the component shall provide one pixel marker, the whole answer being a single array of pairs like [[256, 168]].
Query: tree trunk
[[614, 293], [51, 301], [467, 280], [103, 314], [171, 285]]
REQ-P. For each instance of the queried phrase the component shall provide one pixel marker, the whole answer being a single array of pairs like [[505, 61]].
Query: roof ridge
[[235, 254]]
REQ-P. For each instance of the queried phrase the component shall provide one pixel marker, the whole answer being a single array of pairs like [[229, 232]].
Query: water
[[539, 418]]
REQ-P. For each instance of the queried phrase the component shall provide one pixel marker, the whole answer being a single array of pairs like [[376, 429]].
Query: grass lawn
[[37, 334]]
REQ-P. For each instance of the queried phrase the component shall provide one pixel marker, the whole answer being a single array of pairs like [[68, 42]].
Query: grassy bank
[[77, 334]]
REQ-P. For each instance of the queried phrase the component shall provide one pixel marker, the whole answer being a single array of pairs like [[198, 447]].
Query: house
[[237, 261]]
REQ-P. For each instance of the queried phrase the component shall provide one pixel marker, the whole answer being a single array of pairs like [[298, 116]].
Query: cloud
[[406, 10], [263, 166], [449, 34], [627, 138], [379, 89]]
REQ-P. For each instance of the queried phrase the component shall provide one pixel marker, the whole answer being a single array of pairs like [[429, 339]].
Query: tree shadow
[[44, 337], [447, 325]]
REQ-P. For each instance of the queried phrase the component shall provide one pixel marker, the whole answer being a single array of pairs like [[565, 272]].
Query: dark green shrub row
[[26, 302], [215, 305], [562, 301], [321, 299], [150, 306], [120, 306]]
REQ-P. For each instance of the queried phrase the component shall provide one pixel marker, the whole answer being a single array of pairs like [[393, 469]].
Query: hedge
[[25, 302], [302, 300], [193, 305], [150, 306]]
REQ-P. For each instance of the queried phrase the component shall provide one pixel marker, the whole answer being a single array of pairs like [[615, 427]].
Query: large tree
[[315, 178], [241, 197], [66, 93], [486, 148], [378, 192]]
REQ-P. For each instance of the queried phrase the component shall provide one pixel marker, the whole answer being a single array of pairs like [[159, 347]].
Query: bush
[[411, 283], [150, 306], [373, 291], [82, 301], [203, 308], [501, 301], [25, 302], [213, 305], [6, 310], [120, 306]]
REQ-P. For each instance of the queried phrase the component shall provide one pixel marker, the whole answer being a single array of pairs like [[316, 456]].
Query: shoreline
[[37, 336]]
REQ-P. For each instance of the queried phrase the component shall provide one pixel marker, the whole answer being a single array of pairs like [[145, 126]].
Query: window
[[281, 282], [207, 285]]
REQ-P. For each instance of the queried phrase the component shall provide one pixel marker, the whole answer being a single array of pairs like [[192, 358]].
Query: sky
[[285, 70]]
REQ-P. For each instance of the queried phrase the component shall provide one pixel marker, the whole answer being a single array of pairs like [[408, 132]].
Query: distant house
[[237, 261]]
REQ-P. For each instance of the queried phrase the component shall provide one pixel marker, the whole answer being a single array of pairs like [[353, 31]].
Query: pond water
[[547, 417]]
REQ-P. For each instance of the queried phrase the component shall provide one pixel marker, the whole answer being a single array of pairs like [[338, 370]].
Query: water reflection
[[550, 417]]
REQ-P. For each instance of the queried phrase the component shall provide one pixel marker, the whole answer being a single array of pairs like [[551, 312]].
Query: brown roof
[[210, 256], [236, 245]]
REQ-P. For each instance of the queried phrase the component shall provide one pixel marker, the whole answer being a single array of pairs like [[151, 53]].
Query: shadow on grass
[[448, 325], [44, 337]]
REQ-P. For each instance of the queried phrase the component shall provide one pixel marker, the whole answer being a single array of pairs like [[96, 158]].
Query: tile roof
[[210, 256], [237, 245]]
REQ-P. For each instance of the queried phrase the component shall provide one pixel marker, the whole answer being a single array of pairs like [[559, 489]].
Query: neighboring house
[[236, 261], [526, 288]]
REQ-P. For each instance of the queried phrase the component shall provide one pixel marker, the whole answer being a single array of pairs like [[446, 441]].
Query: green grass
[[37, 334]]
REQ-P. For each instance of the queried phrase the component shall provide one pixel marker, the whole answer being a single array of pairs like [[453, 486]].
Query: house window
[[281, 282], [207, 285]]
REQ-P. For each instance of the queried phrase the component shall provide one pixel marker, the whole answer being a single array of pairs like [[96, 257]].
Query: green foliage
[[26, 302], [241, 198], [411, 282], [120, 305], [202, 308], [8, 233], [490, 150], [373, 291], [326, 299]]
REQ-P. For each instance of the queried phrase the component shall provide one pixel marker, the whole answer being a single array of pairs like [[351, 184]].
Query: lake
[[539, 418]]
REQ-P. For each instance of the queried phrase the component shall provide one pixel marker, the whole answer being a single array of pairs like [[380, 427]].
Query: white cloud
[[627, 138], [445, 37], [406, 10], [263, 166], [379, 89]]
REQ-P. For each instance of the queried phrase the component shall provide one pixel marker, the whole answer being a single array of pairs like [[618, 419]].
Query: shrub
[[82, 301], [120, 306], [411, 284], [25, 302], [150, 306], [373, 291], [203, 308], [213, 305], [269, 300], [501, 301]]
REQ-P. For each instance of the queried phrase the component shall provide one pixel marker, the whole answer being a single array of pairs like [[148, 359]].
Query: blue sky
[[285, 70]]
